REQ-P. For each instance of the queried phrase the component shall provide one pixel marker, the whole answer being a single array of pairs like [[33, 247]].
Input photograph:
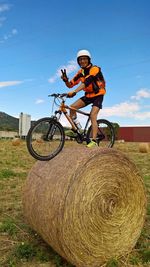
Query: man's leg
[[77, 105], [94, 113]]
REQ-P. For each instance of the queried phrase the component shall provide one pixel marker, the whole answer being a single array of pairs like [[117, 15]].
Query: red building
[[134, 133]]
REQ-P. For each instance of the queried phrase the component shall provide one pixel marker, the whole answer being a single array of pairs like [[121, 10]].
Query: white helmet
[[83, 53]]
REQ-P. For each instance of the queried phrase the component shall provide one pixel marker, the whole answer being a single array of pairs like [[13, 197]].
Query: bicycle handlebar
[[58, 95]]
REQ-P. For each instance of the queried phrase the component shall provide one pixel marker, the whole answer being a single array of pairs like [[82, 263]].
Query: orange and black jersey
[[93, 79]]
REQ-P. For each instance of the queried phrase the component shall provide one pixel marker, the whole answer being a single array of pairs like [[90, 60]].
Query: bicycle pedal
[[79, 139], [100, 137]]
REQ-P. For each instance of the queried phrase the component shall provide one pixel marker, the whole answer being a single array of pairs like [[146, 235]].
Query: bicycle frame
[[63, 109], [46, 137]]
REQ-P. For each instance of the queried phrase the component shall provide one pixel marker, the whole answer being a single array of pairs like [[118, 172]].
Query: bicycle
[[46, 137]]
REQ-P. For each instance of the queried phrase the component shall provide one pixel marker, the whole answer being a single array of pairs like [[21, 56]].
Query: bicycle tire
[[38, 139], [106, 133]]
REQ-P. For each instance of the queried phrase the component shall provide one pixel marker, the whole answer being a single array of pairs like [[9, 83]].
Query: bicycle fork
[[51, 130]]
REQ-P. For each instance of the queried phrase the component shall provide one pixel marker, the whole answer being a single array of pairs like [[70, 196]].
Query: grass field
[[21, 246]]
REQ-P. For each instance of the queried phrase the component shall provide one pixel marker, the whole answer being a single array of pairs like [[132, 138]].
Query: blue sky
[[38, 38]]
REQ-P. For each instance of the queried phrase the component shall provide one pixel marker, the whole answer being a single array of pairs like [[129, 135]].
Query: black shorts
[[96, 100]]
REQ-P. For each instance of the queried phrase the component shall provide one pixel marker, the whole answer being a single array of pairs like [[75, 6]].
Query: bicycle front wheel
[[105, 136], [45, 139]]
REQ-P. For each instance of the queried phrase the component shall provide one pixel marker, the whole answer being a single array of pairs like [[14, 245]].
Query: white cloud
[[82, 119], [39, 101], [122, 110], [10, 83], [14, 31], [141, 116], [2, 19], [9, 35], [125, 110], [70, 67], [64, 121], [146, 106], [142, 93], [4, 7], [128, 109]]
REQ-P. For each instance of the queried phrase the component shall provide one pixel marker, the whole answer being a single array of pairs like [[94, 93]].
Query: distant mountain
[[8, 123]]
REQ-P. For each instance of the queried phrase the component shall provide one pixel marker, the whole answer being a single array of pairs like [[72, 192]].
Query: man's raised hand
[[64, 75]]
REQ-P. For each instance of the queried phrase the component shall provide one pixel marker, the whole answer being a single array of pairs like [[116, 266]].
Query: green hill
[[8, 123]]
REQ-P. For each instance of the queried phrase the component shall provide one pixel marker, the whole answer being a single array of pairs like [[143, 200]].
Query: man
[[93, 83]]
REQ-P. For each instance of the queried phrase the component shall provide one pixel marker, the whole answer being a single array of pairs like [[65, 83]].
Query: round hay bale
[[89, 205], [16, 142], [144, 147]]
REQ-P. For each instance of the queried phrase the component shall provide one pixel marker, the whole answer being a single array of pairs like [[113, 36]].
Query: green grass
[[6, 173], [134, 260], [25, 250], [112, 263], [8, 226], [19, 244]]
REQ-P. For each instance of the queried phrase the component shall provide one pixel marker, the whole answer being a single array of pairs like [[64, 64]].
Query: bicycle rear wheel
[[106, 134], [45, 139]]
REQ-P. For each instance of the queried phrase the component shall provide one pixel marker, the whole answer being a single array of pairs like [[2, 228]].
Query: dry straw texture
[[89, 205], [144, 147]]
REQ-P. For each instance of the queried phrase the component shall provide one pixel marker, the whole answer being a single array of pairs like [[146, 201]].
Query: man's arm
[[78, 89], [71, 83]]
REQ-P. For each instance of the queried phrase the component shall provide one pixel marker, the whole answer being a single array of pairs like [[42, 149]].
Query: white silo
[[24, 124]]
